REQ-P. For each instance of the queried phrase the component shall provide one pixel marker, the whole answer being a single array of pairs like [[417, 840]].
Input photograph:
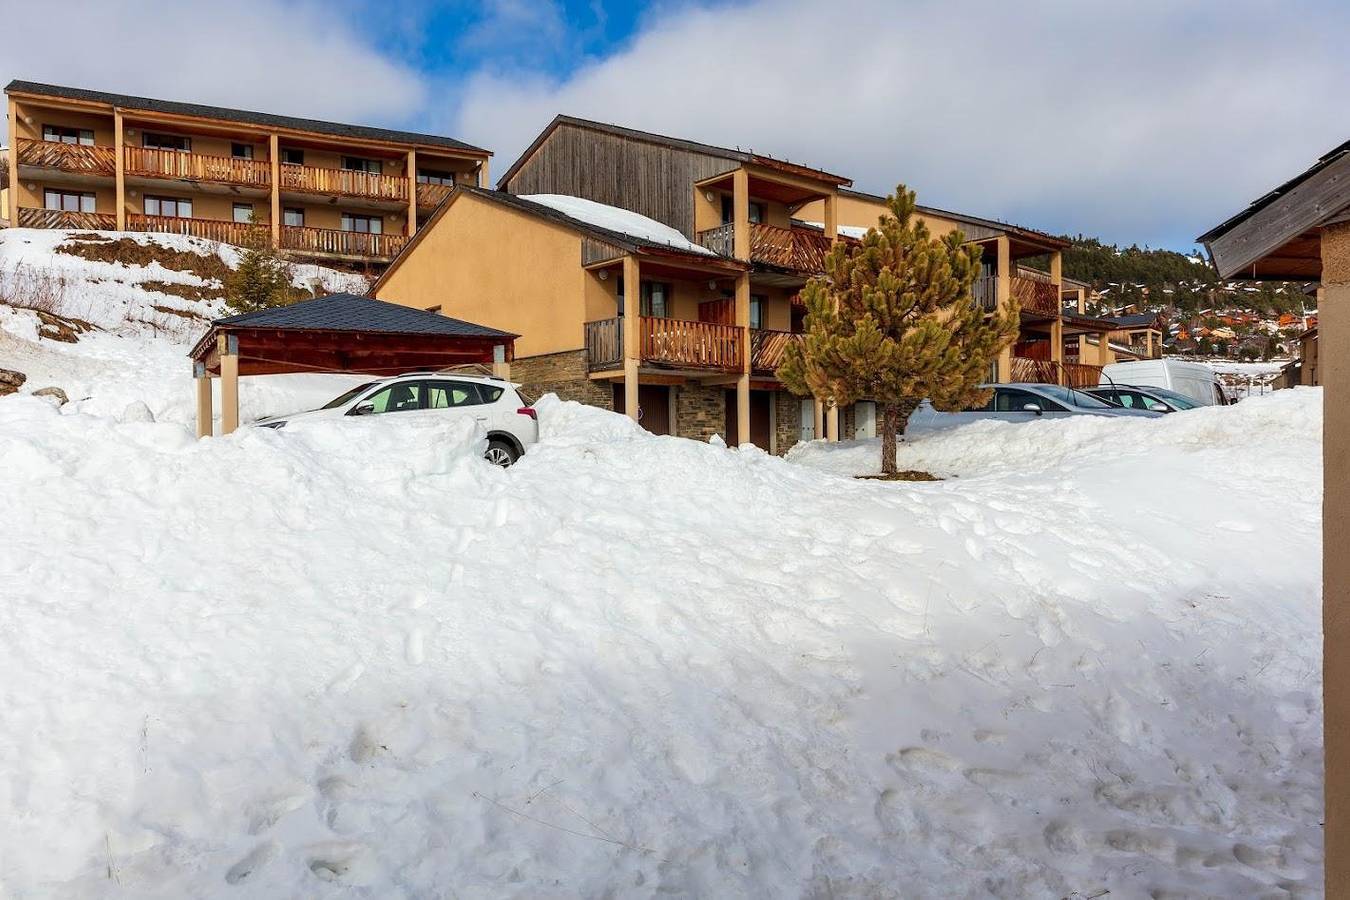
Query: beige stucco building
[[323, 190]]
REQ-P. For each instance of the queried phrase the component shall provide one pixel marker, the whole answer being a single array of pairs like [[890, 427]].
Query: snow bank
[[353, 658], [614, 218]]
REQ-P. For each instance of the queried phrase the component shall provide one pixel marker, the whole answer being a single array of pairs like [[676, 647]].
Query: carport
[[340, 334]]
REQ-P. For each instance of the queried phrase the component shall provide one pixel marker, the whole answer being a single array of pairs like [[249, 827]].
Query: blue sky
[[1144, 122]]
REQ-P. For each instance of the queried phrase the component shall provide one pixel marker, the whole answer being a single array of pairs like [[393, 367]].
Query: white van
[[1195, 380]]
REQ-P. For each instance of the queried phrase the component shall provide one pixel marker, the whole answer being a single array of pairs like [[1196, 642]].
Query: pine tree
[[893, 320], [262, 280]]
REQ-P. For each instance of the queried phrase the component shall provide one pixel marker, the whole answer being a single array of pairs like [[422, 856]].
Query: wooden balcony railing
[[767, 348], [347, 182], [799, 249], [985, 291], [430, 195], [1034, 371], [67, 157], [676, 343], [721, 240], [341, 243], [1036, 296], [241, 234], [59, 218], [198, 167], [1081, 375]]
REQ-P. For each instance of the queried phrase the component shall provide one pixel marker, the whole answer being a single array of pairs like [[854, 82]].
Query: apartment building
[[345, 194]]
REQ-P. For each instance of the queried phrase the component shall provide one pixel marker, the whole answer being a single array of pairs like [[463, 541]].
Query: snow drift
[[353, 658]]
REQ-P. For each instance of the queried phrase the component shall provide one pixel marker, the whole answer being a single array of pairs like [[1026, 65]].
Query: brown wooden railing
[[1034, 371], [1081, 375], [241, 234], [67, 157], [198, 167], [341, 243], [429, 195], [985, 291], [604, 344], [684, 343], [721, 239], [1036, 296], [767, 348], [349, 182], [58, 218], [800, 249]]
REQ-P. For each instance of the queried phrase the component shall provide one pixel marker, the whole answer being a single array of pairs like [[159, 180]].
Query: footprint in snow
[[258, 857]]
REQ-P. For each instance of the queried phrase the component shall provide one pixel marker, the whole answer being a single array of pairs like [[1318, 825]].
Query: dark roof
[[348, 312], [265, 120], [665, 141], [1137, 320], [1270, 197], [994, 224]]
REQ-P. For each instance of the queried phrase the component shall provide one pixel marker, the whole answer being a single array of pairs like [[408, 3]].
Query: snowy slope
[[614, 218], [353, 659]]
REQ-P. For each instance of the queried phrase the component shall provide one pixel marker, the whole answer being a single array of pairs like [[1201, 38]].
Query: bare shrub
[[39, 288]]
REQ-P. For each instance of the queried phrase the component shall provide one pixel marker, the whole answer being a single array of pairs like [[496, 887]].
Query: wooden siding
[[651, 179], [594, 251]]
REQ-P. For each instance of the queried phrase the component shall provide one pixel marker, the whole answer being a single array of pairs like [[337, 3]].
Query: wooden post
[[832, 425], [743, 383], [228, 346], [13, 162], [483, 174], [120, 175], [632, 351], [203, 379], [740, 213], [832, 216], [1003, 294], [412, 192], [274, 154], [818, 426], [1057, 325]]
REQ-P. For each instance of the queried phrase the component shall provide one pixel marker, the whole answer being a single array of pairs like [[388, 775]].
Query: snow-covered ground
[[354, 659]]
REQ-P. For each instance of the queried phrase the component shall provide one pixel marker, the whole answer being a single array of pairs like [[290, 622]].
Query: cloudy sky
[[1137, 121]]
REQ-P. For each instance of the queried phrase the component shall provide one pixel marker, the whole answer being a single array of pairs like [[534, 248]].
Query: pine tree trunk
[[890, 421]]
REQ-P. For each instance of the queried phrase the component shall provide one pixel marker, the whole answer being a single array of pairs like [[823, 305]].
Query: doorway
[[761, 419], [653, 406]]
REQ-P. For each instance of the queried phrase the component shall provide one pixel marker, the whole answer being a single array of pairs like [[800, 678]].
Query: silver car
[[1022, 403]]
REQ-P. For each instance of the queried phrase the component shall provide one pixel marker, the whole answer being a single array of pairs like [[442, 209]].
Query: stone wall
[[701, 412], [563, 374], [787, 420]]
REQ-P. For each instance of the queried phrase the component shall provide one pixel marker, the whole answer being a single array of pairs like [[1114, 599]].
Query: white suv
[[509, 421]]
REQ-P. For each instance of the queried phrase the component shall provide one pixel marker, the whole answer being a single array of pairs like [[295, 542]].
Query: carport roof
[[349, 312]]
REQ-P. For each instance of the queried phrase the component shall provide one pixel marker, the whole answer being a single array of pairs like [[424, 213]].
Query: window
[[729, 210], [1012, 400], [431, 176], [241, 151], [174, 207], [360, 164], [63, 135], [362, 224], [68, 201], [166, 142], [656, 299], [292, 156], [400, 397], [243, 212], [757, 303], [347, 396], [293, 216], [447, 394]]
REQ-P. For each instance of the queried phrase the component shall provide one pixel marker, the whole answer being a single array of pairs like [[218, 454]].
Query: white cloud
[[300, 59], [1137, 121]]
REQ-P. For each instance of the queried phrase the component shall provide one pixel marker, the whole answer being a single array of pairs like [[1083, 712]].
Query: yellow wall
[[105, 198], [498, 267], [102, 125], [862, 213]]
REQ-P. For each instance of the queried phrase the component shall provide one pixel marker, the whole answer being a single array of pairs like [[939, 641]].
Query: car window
[[1131, 400], [1108, 396], [347, 396], [1012, 400], [447, 394], [399, 397], [1155, 403], [490, 393], [1173, 399], [1071, 397]]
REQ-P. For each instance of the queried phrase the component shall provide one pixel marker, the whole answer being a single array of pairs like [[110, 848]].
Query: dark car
[[1151, 398]]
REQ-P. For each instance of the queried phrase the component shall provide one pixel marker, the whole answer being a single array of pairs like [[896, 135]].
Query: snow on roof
[[613, 218], [858, 232]]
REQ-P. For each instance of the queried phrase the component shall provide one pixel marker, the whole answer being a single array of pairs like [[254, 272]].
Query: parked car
[[1134, 397], [509, 421], [1194, 380], [1022, 403]]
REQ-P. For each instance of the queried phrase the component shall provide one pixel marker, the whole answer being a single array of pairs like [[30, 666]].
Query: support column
[[832, 217], [203, 379], [632, 349], [483, 181], [1003, 296], [274, 154], [1333, 369], [412, 192], [1057, 326], [228, 346], [13, 162], [818, 426], [832, 425], [743, 383], [120, 176], [740, 213]]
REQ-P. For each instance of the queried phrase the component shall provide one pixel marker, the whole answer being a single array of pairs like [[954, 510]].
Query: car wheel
[[500, 453]]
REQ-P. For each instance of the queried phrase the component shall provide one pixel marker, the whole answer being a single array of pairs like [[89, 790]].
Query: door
[[761, 419], [808, 430], [653, 406]]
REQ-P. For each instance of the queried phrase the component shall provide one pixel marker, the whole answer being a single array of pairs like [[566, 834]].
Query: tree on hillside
[[893, 320], [262, 280]]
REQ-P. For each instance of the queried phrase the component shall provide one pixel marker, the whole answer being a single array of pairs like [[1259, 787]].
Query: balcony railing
[[1081, 375], [1036, 296], [67, 157], [767, 348], [241, 234], [430, 195], [721, 240], [198, 167], [333, 242], [799, 249], [347, 182], [1045, 371], [673, 343], [985, 291], [59, 218]]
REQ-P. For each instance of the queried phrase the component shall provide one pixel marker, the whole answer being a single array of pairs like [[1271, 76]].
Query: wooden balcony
[[1045, 371], [767, 348], [1081, 375], [667, 343], [798, 249], [432, 195], [240, 234], [1038, 297], [58, 218], [985, 291], [145, 161], [343, 182], [357, 245], [77, 158]]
